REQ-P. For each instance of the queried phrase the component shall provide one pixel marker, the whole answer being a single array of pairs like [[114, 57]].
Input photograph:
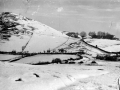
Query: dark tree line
[[101, 35], [76, 34], [27, 53], [98, 35], [73, 34], [108, 57]]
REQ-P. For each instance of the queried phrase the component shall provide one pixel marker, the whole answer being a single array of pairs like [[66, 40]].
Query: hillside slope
[[21, 33], [105, 44], [92, 47]]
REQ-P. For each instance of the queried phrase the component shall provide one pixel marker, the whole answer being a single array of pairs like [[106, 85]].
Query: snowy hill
[[105, 44], [21, 33], [92, 47], [18, 32]]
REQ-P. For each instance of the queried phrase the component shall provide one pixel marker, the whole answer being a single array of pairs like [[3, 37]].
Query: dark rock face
[[7, 20], [8, 25]]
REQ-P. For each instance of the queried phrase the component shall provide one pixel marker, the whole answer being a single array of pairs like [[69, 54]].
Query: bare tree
[[83, 34], [92, 34]]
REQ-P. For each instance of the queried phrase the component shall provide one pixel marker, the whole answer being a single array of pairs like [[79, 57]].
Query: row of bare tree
[[99, 35]]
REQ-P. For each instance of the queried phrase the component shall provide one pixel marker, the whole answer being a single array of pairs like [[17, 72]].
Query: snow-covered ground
[[44, 42], [37, 37], [105, 44], [45, 58], [14, 43], [15, 76], [30, 34], [6, 57]]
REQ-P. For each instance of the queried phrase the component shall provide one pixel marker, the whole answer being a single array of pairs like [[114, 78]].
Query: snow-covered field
[[105, 44], [15, 76], [45, 58], [44, 42], [14, 43], [6, 57]]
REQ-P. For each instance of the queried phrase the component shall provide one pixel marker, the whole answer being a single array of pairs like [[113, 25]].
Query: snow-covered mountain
[[21, 33]]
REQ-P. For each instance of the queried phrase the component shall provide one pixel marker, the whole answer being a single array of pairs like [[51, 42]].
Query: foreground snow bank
[[15, 76]]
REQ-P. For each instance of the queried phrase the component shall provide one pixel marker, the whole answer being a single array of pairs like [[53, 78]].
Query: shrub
[[71, 62], [93, 62], [19, 79], [107, 57], [80, 57], [101, 57], [41, 63], [83, 34], [118, 58], [77, 58], [56, 60], [73, 34], [100, 34], [70, 59], [111, 58], [64, 61], [81, 62], [92, 34]]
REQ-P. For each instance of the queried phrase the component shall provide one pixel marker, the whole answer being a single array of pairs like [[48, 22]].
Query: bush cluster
[[56, 60], [98, 35], [107, 57], [41, 63], [59, 61]]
